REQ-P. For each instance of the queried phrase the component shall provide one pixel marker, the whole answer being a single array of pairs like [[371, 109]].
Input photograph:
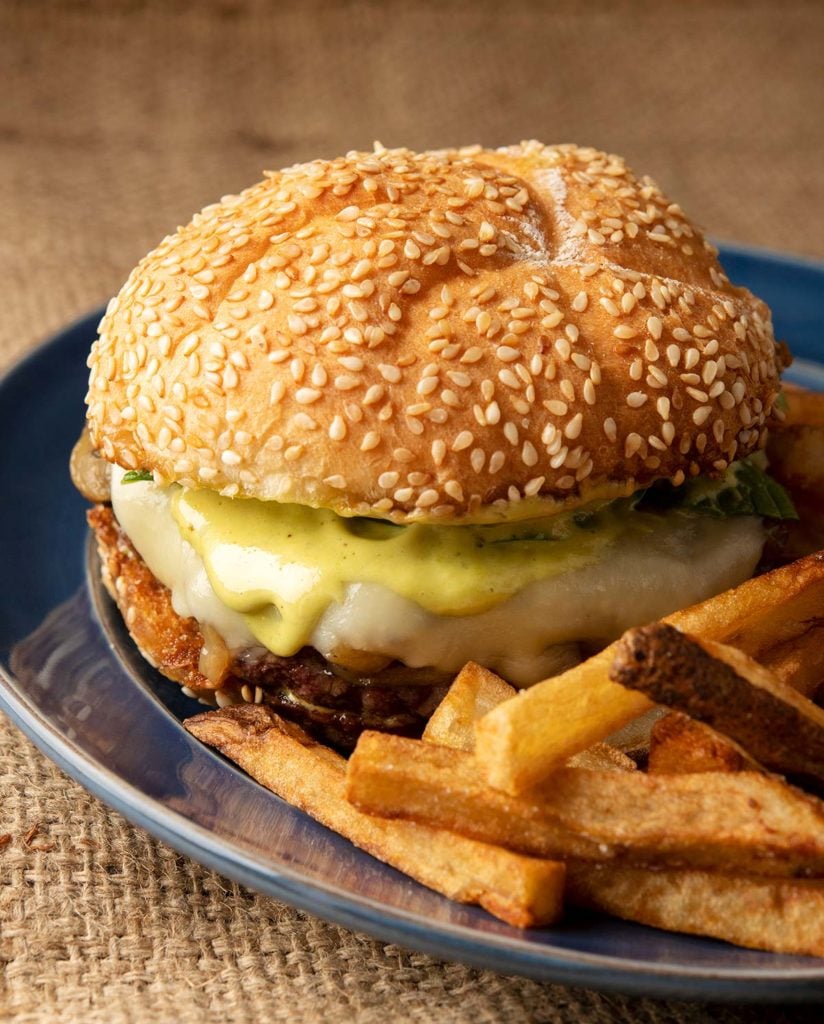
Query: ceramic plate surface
[[71, 679]]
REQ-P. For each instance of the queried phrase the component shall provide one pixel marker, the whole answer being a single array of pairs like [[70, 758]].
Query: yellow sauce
[[281, 565]]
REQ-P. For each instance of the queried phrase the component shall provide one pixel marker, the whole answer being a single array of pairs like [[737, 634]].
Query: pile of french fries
[[522, 803]]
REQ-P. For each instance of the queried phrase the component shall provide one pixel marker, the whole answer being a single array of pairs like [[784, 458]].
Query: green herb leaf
[[744, 490], [134, 476]]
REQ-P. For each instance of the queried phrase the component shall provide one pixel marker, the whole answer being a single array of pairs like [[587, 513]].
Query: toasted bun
[[458, 334]]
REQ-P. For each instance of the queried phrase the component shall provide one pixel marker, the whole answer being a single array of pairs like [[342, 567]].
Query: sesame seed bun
[[459, 335]]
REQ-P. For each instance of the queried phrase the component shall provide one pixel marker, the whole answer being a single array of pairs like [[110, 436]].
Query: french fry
[[525, 739], [723, 821], [602, 757], [634, 738], [679, 744], [442, 784], [474, 691], [805, 408], [796, 456], [520, 890], [782, 915], [725, 689]]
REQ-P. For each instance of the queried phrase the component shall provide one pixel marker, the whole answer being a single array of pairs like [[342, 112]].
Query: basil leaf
[[134, 476], [744, 490]]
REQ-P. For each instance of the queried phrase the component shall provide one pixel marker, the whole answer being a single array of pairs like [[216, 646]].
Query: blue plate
[[72, 680]]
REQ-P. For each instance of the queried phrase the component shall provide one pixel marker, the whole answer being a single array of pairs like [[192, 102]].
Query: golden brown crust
[[679, 744], [167, 641], [435, 335]]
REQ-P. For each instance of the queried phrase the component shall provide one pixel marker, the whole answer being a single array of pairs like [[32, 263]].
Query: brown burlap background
[[117, 120]]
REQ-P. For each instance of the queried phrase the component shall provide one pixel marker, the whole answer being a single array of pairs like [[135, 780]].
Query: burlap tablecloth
[[117, 121]]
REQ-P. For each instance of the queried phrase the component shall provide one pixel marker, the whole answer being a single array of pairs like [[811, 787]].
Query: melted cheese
[[513, 599]]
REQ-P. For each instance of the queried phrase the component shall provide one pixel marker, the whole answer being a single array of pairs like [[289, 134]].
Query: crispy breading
[[305, 687], [165, 639]]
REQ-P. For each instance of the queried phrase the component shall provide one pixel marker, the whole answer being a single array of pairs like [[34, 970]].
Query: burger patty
[[333, 704]]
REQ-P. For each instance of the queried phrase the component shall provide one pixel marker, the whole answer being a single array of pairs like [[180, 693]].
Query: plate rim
[[462, 943]]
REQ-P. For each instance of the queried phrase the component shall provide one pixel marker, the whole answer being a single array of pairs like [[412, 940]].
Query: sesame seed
[[463, 440], [562, 347], [337, 429], [483, 322], [698, 395], [486, 232], [651, 352], [624, 332], [472, 355], [636, 399], [632, 445], [574, 427], [655, 327], [529, 455]]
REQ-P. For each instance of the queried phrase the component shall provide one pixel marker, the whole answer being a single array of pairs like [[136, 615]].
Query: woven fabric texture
[[117, 120]]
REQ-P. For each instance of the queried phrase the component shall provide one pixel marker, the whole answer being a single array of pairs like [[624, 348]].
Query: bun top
[[460, 335]]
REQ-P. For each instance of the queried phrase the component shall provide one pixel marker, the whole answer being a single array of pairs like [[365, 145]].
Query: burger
[[380, 415]]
